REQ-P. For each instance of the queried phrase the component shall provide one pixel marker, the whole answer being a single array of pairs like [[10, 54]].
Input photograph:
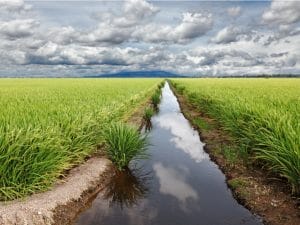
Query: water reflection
[[183, 136], [126, 187], [148, 125], [173, 182]]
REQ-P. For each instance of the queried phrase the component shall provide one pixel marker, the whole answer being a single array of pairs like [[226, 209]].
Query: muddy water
[[177, 185]]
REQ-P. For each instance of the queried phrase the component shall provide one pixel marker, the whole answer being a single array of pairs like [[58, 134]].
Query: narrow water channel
[[177, 185]]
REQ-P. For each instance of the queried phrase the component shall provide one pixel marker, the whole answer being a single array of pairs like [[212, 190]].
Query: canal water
[[177, 185]]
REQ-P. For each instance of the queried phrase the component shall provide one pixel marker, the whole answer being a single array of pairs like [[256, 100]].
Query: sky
[[197, 38]]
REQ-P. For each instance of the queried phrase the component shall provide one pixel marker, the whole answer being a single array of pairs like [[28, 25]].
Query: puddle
[[177, 185]]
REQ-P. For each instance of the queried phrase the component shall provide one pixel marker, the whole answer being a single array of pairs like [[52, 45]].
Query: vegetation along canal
[[178, 184]]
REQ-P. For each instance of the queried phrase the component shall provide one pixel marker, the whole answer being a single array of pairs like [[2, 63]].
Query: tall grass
[[148, 113], [155, 98], [124, 143], [49, 125], [262, 113]]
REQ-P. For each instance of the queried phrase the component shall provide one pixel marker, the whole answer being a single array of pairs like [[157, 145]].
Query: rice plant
[[124, 143], [49, 125], [263, 115], [156, 99], [148, 113]]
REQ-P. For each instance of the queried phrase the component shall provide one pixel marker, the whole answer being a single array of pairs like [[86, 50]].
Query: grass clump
[[231, 155], [237, 183], [155, 98], [202, 124], [148, 113], [124, 143], [161, 85]]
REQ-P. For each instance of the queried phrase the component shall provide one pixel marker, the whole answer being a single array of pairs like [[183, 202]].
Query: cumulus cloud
[[133, 12], [192, 25], [244, 57], [234, 11], [230, 34], [140, 36], [105, 34], [137, 10], [62, 35], [15, 29], [282, 12], [54, 54], [133, 25], [116, 28], [14, 5]]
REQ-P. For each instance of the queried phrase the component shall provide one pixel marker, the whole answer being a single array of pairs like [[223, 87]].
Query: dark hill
[[139, 74]]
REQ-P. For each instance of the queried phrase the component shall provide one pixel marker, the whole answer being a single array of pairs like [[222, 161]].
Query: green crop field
[[49, 125], [263, 115]]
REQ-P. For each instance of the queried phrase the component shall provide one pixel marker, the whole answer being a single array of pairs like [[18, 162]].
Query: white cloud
[[227, 35], [179, 42], [18, 28], [62, 35], [137, 10], [14, 5], [116, 28], [234, 11], [192, 25], [282, 12], [172, 182], [133, 12], [52, 53]]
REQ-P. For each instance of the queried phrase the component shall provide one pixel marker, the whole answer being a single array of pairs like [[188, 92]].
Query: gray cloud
[[282, 12], [117, 28], [14, 5], [192, 25], [234, 11], [231, 34], [18, 28], [137, 10], [278, 54], [27, 46]]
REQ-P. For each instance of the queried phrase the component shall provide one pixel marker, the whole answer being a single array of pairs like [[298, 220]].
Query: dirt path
[[252, 186]]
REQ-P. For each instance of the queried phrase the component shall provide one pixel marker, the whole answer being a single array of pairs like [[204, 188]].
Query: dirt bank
[[252, 186], [39, 208]]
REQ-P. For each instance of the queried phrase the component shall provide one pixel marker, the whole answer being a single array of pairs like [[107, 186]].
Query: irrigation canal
[[177, 185]]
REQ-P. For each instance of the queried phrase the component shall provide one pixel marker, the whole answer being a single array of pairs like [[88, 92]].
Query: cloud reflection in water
[[173, 182], [184, 138]]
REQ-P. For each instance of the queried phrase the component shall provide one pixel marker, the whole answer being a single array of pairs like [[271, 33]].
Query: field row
[[49, 125], [263, 115]]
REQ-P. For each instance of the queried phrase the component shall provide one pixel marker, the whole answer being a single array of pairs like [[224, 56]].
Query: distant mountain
[[154, 73]]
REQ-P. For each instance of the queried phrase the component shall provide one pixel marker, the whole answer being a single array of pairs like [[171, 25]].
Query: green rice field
[[49, 125], [262, 114]]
